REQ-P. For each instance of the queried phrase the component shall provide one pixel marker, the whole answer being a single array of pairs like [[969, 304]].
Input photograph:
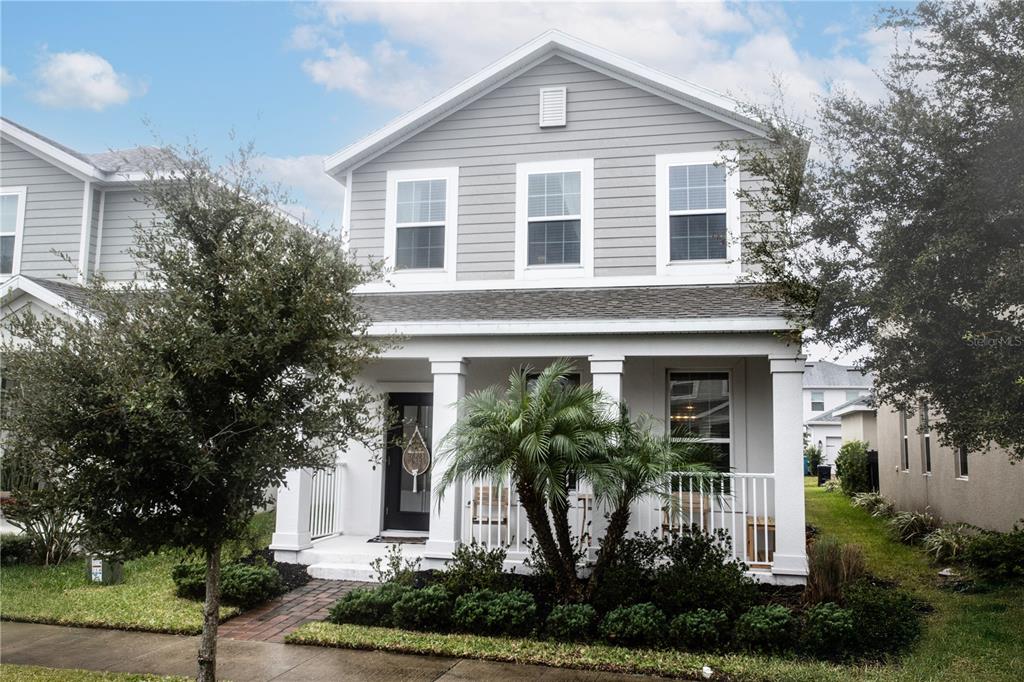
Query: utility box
[[104, 571]]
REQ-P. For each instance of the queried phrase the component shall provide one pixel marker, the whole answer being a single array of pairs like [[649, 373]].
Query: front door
[[406, 486]]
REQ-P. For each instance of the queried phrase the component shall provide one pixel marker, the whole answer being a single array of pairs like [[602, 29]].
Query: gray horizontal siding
[[122, 210], [622, 127], [53, 212]]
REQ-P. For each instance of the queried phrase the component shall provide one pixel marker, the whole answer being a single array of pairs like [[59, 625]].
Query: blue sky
[[302, 80]]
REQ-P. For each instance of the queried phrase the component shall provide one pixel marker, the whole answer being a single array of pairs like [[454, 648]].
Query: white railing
[[740, 504], [325, 503]]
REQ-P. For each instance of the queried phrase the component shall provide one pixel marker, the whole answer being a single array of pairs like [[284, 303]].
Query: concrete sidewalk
[[244, 661]]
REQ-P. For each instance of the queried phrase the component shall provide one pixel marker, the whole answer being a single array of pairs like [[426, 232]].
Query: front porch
[[742, 392]]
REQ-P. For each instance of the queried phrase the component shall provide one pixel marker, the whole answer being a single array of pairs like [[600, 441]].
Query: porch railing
[[325, 503], [741, 504]]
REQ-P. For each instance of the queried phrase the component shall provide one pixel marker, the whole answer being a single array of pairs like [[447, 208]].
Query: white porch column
[[291, 530], [446, 517], [790, 562], [606, 376]]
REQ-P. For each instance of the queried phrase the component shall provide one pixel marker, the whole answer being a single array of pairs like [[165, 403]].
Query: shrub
[[700, 630], [16, 549], [947, 543], [46, 517], [571, 623], [831, 486], [885, 618], [997, 557], [497, 613], [826, 631], [393, 567], [636, 625], [852, 467], [874, 504], [472, 568], [426, 609], [368, 606], [700, 572], [241, 585], [813, 455], [765, 628], [831, 566], [630, 578], [910, 527]]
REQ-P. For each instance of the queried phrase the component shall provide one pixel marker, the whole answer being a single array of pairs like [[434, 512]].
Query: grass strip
[[34, 673]]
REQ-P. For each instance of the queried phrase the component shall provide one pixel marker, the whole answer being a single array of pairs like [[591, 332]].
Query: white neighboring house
[[829, 388], [564, 201]]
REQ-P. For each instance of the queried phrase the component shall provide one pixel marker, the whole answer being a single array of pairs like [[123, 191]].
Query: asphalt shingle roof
[[606, 303], [831, 416], [823, 373], [72, 293]]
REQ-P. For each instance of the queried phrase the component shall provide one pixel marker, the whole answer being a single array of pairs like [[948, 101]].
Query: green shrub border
[[603, 657]]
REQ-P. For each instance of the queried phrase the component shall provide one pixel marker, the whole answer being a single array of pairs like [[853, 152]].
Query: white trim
[[547, 273], [451, 225], [690, 94], [99, 229], [734, 437], [25, 285], [729, 266], [852, 409], [21, 192], [808, 387], [74, 165], [550, 327], [346, 214], [83, 243]]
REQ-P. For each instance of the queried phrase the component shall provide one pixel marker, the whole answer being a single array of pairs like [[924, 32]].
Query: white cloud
[[429, 46], [6, 77], [315, 197], [82, 80]]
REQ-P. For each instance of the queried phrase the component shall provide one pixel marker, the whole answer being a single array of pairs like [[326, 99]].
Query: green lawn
[[145, 601], [31, 673], [967, 637]]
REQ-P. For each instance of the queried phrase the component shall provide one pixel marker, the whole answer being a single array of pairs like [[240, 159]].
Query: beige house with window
[[916, 472]]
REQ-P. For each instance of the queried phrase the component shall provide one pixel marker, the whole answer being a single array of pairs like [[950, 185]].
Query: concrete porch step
[[341, 570]]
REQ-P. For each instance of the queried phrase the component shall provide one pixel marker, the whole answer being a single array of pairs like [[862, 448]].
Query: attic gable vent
[[552, 107]]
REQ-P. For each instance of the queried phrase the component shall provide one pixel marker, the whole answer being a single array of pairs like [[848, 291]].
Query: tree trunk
[[560, 520], [211, 618], [618, 524], [536, 514]]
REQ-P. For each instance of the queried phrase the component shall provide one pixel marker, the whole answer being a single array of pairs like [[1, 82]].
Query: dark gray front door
[[407, 501]]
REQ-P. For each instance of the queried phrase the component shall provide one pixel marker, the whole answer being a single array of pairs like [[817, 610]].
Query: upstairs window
[[817, 401], [697, 216], [421, 223], [553, 215], [554, 219], [12, 221]]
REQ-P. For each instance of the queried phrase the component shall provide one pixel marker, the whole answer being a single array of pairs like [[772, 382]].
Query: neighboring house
[[858, 421], [64, 215], [829, 387], [562, 202], [917, 473]]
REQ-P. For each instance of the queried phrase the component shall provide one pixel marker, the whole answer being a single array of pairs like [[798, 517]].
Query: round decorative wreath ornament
[[416, 457]]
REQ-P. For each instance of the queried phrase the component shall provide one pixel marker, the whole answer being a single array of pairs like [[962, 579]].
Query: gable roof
[[824, 374], [858, 404], [684, 92], [119, 165]]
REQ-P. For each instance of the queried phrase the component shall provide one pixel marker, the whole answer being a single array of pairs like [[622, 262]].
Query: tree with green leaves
[[902, 230], [165, 409]]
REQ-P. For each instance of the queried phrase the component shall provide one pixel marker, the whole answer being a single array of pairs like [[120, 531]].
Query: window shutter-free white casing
[[552, 107]]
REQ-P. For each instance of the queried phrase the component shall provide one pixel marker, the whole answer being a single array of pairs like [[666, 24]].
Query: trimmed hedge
[[241, 585], [571, 623], [16, 549], [637, 625], [368, 606]]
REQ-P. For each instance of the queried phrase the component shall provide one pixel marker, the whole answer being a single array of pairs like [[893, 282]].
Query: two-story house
[[64, 215], [829, 390], [568, 202]]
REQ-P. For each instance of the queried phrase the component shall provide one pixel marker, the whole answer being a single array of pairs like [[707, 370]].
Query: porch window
[[420, 224], [961, 462], [817, 401], [699, 407], [926, 440], [12, 220]]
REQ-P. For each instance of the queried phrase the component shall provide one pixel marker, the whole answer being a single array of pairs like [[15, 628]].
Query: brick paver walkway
[[272, 621]]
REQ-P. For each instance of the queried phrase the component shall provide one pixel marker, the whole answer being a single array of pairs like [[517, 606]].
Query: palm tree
[[538, 432], [640, 462]]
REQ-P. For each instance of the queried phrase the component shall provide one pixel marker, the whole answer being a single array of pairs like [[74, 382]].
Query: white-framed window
[[699, 406], [697, 216], [12, 227], [555, 219], [926, 440], [961, 462], [421, 223], [904, 442], [817, 401]]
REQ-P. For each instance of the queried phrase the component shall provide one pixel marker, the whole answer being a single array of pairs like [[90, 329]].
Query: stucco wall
[[992, 496], [860, 426]]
